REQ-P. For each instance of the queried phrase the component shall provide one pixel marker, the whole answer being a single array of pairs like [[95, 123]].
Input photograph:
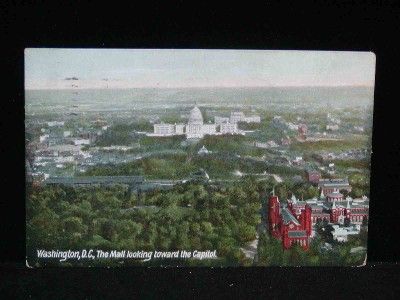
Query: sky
[[138, 68]]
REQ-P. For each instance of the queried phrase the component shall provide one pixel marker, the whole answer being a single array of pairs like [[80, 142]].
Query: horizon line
[[199, 87]]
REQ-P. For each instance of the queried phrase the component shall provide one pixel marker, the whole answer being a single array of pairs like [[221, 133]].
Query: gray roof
[[333, 182], [297, 234], [364, 205], [334, 195], [288, 217]]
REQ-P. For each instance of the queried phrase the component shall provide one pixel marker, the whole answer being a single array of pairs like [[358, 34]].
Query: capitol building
[[196, 128]]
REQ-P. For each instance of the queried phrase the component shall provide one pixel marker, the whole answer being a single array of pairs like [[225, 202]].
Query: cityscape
[[260, 175]]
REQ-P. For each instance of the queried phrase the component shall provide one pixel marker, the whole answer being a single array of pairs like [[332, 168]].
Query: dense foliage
[[190, 217]]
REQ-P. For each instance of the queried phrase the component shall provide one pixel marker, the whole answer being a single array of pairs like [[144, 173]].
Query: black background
[[334, 25]]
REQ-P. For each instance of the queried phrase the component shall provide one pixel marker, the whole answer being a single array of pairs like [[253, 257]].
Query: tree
[[344, 192], [364, 221]]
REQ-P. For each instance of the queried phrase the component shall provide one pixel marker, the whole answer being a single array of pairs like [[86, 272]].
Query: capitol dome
[[195, 116]]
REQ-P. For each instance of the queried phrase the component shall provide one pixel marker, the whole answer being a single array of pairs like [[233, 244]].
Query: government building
[[196, 128], [294, 221]]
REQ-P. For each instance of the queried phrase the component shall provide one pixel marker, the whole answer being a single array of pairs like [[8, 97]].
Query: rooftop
[[288, 217], [297, 234], [336, 181], [335, 195]]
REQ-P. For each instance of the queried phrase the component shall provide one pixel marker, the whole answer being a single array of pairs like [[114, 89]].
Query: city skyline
[[154, 68]]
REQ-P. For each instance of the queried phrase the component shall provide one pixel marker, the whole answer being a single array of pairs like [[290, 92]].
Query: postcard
[[196, 157]]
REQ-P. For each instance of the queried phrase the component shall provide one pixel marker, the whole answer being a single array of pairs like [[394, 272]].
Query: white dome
[[195, 116]]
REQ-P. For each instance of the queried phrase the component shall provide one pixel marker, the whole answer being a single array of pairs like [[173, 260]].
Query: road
[[275, 176], [250, 250]]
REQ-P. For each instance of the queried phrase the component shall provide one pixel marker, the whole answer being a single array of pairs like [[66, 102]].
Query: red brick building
[[313, 176], [293, 222], [302, 131], [284, 225], [329, 186]]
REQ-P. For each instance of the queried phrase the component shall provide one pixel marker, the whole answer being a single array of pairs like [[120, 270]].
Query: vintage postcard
[[163, 157]]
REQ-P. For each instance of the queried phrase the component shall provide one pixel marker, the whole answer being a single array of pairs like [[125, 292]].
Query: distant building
[[302, 131], [298, 160], [341, 234], [332, 127], [195, 128], [43, 138], [359, 128], [293, 222], [252, 119], [284, 224], [203, 150], [226, 128], [220, 120], [332, 119], [81, 142], [286, 141], [164, 129], [209, 129], [334, 185], [268, 144], [313, 176], [55, 123], [334, 196], [238, 116], [180, 128], [331, 168], [292, 126]]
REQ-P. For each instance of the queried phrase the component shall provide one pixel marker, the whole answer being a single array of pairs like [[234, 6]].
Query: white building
[[203, 150], [332, 127], [341, 234], [195, 128], [43, 138], [209, 128], [81, 142], [292, 126], [359, 128], [180, 128], [237, 116], [55, 123], [164, 129], [228, 128], [252, 119], [220, 120]]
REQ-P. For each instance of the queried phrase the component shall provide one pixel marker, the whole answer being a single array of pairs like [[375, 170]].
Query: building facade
[[313, 176], [295, 221], [289, 223], [334, 185], [238, 116], [196, 128], [164, 129]]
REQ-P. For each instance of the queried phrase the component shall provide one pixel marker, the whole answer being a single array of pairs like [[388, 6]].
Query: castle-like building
[[289, 225], [196, 128], [294, 221]]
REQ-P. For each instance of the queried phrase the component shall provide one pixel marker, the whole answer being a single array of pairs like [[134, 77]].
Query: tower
[[322, 194], [273, 215], [307, 219], [348, 208], [334, 212]]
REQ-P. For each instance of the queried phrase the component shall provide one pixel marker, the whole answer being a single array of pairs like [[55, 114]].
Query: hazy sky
[[112, 68]]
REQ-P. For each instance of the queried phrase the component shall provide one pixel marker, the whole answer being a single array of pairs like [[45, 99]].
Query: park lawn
[[357, 142]]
